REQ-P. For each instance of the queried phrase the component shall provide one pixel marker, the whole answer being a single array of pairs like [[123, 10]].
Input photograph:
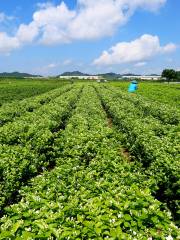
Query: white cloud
[[52, 65], [27, 33], [53, 22], [151, 5], [7, 43], [169, 48], [90, 19], [47, 69], [95, 20], [2, 17], [67, 62], [138, 50], [140, 64], [44, 5], [5, 18]]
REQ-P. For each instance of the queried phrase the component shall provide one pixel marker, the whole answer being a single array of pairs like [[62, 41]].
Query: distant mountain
[[17, 74], [74, 73], [110, 75], [131, 74], [153, 75]]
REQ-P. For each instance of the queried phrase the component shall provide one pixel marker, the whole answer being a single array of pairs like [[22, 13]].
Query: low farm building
[[143, 77], [82, 77]]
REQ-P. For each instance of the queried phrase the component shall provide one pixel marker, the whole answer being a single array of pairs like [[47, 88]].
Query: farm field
[[90, 161], [165, 93], [17, 89]]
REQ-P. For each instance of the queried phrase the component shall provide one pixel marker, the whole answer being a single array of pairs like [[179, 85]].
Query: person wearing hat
[[133, 86]]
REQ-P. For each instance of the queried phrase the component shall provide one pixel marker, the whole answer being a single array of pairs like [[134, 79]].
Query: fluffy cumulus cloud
[[90, 19], [7, 43], [136, 51], [27, 33]]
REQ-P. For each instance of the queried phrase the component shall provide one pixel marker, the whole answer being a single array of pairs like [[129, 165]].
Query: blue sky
[[123, 36]]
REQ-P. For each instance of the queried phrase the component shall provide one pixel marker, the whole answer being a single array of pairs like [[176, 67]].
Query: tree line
[[171, 75]]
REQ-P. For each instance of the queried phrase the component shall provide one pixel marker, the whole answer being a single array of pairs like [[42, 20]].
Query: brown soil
[[110, 122], [126, 154]]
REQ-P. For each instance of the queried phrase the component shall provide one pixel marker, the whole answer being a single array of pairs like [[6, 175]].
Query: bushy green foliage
[[11, 111], [159, 92], [93, 192], [12, 89], [26, 143], [153, 143]]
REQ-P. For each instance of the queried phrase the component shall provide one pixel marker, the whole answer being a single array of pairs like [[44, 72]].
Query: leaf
[[17, 226], [127, 217], [126, 224]]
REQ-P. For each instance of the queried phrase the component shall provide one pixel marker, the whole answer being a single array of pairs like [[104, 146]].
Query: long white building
[[143, 77], [81, 77]]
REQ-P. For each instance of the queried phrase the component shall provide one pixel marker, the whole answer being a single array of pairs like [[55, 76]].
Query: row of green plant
[[160, 92], [93, 193], [19, 89], [159, 155], [164, 132], [168, 94], [32, 124], [26, 144], [11, 111], [167, 114]]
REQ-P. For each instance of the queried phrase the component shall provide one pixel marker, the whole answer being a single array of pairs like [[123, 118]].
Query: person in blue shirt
[[133, 86]]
